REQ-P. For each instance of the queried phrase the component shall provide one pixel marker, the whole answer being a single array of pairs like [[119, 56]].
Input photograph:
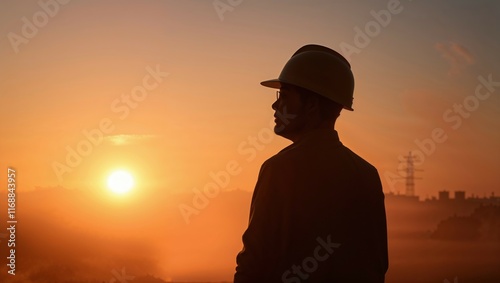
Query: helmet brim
[[276, 83]]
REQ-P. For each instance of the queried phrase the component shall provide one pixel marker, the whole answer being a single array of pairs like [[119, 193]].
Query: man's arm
[[258, 257]]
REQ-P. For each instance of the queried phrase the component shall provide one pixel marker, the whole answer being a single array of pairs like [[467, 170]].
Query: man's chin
[[280, 130]]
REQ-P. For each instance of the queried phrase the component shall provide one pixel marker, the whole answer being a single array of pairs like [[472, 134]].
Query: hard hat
[[321, 70]]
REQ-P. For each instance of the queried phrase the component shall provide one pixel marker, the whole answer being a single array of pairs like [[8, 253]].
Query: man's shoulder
[[359, 159], [285, 155], [335, 154], [358, 163]]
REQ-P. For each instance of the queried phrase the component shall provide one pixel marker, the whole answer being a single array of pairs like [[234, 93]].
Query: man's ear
[[312, 106]]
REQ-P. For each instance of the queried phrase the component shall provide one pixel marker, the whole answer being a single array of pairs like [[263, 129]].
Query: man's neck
[[323, 126]]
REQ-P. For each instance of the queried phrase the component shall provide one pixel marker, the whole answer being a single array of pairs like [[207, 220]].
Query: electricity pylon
[[410, 174]]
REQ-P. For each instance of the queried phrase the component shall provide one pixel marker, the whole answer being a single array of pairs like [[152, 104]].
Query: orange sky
[[76, 69], [169, 91]]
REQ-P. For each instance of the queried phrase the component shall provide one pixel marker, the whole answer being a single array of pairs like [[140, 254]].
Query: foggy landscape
[[133, 132], [79, 238]]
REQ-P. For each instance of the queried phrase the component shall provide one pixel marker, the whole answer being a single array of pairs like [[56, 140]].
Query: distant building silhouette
[[444, 198], [408, 216], [444, 195], [460, 195]]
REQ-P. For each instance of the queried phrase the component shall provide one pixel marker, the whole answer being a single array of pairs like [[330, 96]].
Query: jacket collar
[[319, 135]]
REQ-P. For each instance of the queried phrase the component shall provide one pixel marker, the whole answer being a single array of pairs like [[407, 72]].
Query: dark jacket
[[317, 215]]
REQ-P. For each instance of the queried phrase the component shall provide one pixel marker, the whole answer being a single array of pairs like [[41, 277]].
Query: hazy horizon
[[136, 129], [85, 238]]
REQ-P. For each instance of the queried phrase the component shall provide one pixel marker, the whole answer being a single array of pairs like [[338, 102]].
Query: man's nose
[[274, 106]]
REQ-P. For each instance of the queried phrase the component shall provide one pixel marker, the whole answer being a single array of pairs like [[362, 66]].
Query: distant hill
[[483, 224]]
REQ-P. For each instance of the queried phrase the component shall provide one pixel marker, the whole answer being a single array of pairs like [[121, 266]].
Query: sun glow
[[120, 182]]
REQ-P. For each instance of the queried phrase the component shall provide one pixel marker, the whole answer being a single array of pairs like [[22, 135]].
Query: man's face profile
[[289, 104]]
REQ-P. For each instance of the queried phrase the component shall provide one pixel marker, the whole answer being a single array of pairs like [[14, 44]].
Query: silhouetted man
[[317, 212]]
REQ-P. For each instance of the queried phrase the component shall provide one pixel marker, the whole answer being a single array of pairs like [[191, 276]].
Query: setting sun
[[120, 182]]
